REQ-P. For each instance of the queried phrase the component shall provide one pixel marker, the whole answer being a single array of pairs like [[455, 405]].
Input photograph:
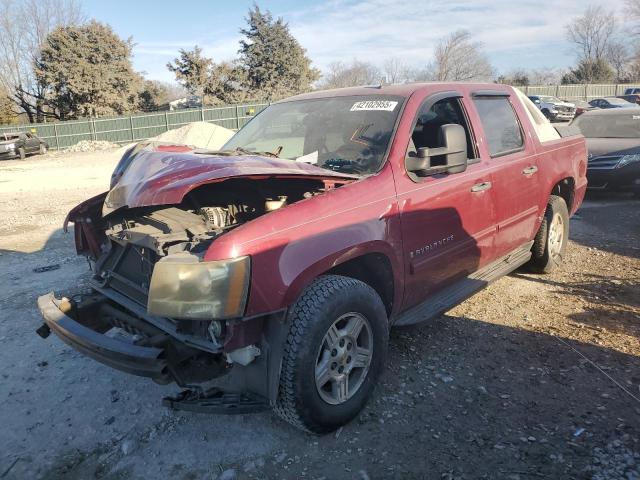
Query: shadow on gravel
[[460, 399], [608, 222], [618, 298]]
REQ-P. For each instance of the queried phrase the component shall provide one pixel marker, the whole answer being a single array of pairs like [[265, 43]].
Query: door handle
[[481, 187], [530, 170]]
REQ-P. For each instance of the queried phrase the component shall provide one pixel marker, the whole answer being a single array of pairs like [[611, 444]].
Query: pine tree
[[274, 63], [86, 71]]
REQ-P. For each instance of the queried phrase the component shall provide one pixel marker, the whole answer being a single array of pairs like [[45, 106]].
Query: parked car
[[582, 107], [278, 264], [632, 91], [21, 144], [633, 98], [612, 102], [553, 108], [613, 142]]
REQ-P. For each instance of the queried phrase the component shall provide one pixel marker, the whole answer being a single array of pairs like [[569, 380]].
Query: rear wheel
[[550, 244], [334, 352]]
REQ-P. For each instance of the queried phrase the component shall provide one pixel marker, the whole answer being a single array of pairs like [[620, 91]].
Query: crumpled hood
[[164, 178]]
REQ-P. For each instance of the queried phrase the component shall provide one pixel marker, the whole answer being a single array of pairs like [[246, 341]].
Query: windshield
[[617, 101], [346, 134], [609, 126]]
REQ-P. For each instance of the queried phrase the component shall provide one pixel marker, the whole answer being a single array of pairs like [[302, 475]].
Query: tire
[[308, 398], [43, 149], [550, 243], [547, 114], [21, 153]]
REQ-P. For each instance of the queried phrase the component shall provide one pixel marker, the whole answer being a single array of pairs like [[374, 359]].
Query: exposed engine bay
[[205, 214]]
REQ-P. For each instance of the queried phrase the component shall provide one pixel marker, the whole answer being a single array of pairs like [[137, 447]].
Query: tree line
[[57, 64]]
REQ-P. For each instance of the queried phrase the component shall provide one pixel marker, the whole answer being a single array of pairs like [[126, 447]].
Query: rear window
[[609, 126], [501, 127]]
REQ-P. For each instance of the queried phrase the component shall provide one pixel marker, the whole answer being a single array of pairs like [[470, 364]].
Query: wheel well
[[565, 189], [375, 270]]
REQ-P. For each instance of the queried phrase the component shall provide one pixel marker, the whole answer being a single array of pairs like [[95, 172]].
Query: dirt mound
[[90, 146], [198, 134]]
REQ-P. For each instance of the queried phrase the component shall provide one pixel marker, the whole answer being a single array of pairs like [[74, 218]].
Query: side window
[[501, 126], [426, 133]]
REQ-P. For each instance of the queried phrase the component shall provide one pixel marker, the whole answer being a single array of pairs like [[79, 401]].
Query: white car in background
[[553, 108]]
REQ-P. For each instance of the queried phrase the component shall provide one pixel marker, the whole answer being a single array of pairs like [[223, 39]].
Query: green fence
[[577, 92], [136, 127], [145, 125]]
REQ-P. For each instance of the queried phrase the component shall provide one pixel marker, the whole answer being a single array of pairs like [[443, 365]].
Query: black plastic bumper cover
[[133, 359]]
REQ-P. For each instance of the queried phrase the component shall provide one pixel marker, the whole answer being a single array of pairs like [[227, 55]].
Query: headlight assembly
[[183, 287], [627, 159]]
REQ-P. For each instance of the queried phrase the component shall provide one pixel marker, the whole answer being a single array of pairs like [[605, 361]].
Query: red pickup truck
[[268, 274]]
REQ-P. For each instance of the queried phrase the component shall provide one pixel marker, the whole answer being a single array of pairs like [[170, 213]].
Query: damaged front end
[[155, 308]]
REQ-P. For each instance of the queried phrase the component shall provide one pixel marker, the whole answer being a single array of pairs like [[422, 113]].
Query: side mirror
[[454, 149]]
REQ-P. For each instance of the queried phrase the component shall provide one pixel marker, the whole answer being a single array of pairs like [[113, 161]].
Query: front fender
[[293, 245]]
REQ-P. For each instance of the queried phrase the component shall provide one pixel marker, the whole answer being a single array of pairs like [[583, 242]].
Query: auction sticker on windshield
[[384, 105]]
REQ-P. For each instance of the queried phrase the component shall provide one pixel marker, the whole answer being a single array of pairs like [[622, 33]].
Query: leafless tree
[[23, 27], [592, 33], [619, 57], [396, 71], [458, 58], [632, 11], [544, 76], [352, 74]]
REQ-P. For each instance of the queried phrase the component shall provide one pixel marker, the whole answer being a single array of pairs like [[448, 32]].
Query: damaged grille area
[[127, 269], [137, 244]]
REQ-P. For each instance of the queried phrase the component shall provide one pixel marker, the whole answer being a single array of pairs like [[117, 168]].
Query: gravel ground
[[534, 377]]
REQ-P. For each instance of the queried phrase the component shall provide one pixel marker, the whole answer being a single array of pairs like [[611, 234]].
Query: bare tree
[[544, 76], [396, 71], [592, 33], [24, 26], [458, 58], [632, 9], [619, 58], [352, 74]]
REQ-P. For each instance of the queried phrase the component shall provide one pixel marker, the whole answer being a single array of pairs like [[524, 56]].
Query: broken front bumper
[[121, 355]]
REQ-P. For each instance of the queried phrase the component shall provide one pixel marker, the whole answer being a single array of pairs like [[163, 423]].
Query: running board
[[451, 296]]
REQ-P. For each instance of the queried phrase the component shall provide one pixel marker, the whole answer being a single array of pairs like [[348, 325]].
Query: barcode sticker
[[383, 105]]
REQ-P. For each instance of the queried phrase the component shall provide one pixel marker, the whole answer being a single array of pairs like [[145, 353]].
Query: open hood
[[164, 178]]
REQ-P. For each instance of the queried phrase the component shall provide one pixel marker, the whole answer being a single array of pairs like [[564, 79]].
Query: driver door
[[31, 144], [448, 220]]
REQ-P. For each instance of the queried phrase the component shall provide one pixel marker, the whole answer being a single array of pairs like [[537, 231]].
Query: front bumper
[[8, 155], [563, 116], [625, 179], [121, 355]]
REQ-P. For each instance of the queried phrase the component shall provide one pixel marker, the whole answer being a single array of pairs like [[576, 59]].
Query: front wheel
[[333, 355], [43, 149], [550, 244], [21, 153]]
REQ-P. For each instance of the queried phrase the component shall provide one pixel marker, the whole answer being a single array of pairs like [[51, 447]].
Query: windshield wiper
[[237, 150]]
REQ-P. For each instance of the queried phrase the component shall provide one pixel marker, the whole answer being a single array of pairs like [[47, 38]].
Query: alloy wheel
[[344, 358]]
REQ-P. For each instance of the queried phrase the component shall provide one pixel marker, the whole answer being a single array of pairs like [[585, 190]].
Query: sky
[[515, 34]]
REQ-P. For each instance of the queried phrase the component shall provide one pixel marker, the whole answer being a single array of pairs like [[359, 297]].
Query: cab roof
[[399, 90]]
